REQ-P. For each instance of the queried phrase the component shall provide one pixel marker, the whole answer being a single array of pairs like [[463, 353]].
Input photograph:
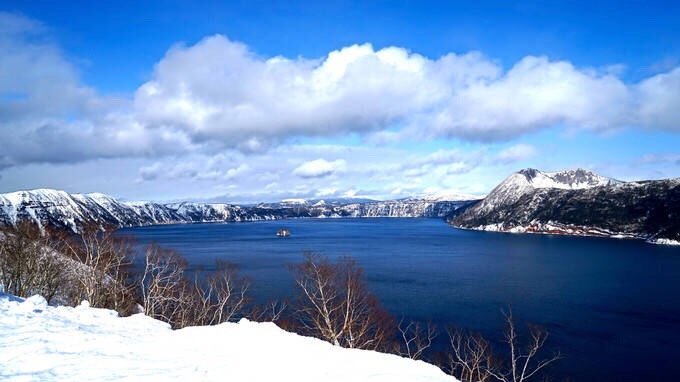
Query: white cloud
[[445, 162], [659, 101], [47, 115], [516, 153], [150, 172], [197, 168], [217, 95], [219, 90], [237, 95], [215, 116], [459, 168], [319, 168], [535, 93]]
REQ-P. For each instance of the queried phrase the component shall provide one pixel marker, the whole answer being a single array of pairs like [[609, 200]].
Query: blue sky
[[176, 100]]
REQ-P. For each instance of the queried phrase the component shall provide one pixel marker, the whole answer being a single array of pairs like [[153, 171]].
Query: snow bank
[[40, 342]]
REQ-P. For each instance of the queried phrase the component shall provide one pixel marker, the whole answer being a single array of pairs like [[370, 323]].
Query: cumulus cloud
[[218, 95], [219, 89], [48, 115], [535, 93], [319, 168], [659, 101]]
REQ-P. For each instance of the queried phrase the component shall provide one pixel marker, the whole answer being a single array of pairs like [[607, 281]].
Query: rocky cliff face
[[578, 202], [62, 210]]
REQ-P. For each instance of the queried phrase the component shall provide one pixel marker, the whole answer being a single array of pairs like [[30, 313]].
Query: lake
[[611, 306]]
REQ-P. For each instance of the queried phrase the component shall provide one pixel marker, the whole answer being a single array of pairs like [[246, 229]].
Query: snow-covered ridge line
[[47, 343], [577, 179], [59, 209], [528, 180], [581, 203]]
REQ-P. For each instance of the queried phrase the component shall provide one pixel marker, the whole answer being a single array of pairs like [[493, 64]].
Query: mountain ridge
[[578, 202], [570, 202], [55, 208]]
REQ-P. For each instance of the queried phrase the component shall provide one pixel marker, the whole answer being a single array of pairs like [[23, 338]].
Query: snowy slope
[[62, 210], [567, 180], [579, 202], [44, 343], [528, 180], [46, 206]]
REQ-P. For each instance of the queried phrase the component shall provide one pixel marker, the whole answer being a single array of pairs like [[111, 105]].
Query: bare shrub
[[335, 305], [27, 266], [103, 280]]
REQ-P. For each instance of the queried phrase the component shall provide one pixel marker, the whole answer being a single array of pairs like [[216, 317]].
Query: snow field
[[44, 343]]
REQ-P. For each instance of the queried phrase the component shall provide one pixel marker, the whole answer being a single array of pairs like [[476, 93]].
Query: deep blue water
[[612, 306]]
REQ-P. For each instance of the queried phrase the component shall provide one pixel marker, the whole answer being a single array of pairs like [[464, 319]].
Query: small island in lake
[[283, 232]]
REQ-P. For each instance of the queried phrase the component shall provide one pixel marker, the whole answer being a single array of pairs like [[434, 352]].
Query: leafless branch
[[335, 304], [415, 338]]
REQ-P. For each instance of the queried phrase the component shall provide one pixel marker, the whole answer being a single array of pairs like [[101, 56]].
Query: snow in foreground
[[40, 342]]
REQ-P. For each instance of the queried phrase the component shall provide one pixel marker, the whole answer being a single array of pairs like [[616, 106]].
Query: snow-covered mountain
[[60, 209], [528, 180], [63, 210], [578, 202], [567, 180], [46, 343]]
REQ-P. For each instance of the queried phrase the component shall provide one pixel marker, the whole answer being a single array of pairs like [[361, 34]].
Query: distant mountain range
[[578, 202], [60, 209], [574, 202]]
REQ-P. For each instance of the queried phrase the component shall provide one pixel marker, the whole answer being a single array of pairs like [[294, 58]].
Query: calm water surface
[[611, 306]]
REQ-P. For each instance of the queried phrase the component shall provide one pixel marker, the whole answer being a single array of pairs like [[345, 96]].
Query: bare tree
[[416, 338], [222, 296], [335, 304], [523, 365], [103, 280], [272, 311], [27, 265], [164, 291], [470, 358], [168, 294]]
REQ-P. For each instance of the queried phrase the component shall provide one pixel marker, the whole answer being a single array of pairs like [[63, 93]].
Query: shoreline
[[575, 231]]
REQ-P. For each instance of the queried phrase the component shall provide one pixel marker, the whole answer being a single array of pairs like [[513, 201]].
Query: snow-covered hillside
[[59, 209], [579, 202], [44, 343], [527, 180], [567, 180]]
